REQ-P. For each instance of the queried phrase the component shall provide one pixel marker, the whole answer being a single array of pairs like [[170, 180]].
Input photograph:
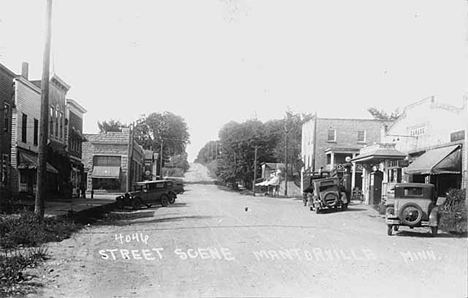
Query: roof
[[378, 153], [273, 165], [445, 160]]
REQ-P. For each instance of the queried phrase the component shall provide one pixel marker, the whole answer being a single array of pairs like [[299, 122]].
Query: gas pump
[[375, 193]]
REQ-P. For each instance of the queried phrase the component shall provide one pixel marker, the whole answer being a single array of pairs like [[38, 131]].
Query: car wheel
[[164, 200], [331, 199], [389, 230], [172, 198], [434, 231], [411, 214], [137, 203]]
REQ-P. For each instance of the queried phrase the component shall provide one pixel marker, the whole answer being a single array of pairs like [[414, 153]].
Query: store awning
[[378, 153], [106, 172], [446, 160], [29, 162]]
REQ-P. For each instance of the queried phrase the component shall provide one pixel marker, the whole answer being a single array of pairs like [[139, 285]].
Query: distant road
[[197, 173]]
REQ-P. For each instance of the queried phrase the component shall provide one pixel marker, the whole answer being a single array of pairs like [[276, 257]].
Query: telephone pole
[[255, 171], [43, 136]]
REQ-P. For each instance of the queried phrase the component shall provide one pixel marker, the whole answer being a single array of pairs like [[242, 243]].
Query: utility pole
[[161, 160], [41, 191], [255, 171], [286, 156]]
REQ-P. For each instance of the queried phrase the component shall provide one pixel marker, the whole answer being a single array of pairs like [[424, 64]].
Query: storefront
[[440, 166], [380, 163]]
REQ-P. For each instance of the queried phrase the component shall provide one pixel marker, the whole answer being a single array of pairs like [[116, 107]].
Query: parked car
[[309, 190], [178, 184], [328, 193], [148, 193], [413, 205]]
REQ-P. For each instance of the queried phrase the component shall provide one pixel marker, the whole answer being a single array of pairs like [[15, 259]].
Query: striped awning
[[28, 161], [106, 172]]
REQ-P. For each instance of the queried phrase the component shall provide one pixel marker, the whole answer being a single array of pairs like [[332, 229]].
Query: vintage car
[[328, 193], [309, 190], [148, 193], [413, 205], [178, 184]]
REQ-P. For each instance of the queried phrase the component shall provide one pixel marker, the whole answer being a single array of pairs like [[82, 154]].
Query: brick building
[[326, 142], [113, 162], [75, 138], [6, 105]]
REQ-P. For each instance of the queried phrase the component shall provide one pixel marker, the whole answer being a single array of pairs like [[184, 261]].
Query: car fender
[[434, 217]]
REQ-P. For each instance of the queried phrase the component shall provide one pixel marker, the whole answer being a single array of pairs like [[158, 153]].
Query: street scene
[[233, 148], [217, 243]]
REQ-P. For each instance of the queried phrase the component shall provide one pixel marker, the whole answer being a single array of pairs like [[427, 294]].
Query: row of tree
[[160, 132], [275, 141]]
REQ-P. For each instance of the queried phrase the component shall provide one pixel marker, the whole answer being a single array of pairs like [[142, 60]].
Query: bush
[[28, 230], [454, 212], [12, 265]]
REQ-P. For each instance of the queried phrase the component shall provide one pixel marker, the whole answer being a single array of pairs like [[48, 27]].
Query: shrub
[[12, 264], [454, 212], [28, 230]]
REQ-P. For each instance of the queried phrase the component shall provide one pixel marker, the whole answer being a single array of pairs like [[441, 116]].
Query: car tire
[[434, 231], [164, 200], [329, 197], [407, 214], [389, 230], [172, 198], [137, 203]]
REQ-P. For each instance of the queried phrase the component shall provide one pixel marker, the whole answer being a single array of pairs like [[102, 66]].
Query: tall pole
[[255, 171], [286, 165], [41, 191], [161, 160]]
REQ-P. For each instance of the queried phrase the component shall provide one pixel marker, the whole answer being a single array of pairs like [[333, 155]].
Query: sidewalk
[[79, 206]]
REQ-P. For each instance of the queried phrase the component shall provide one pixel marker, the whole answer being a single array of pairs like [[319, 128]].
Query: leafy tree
[[382, 115], [110, 126], [209, 152], [163, 130]]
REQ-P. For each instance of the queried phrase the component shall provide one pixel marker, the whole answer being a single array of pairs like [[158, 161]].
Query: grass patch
[[21, 237]]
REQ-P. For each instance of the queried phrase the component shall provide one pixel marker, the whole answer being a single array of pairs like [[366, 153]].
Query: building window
[[36, 131], [331, 135], [6, 117], [107, 161], [61, 125], [24, 128], [361, 137], [51, 120], [56, 123]]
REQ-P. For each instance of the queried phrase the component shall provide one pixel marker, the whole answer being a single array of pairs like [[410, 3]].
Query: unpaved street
[[217, 243]]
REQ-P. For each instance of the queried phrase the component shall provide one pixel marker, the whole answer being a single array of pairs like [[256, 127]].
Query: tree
[[382, 115], [164, 132], [110, 126]]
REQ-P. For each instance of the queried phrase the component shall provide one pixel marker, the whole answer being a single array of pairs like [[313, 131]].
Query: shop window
[[107, 161]]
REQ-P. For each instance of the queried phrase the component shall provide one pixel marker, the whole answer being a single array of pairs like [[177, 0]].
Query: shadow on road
[[426, 234], [200, 182]]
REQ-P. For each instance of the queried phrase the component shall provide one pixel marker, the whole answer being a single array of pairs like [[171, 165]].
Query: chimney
[[25, 70]]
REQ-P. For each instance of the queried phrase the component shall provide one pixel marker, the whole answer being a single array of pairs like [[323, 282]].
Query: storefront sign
[[457, 136]]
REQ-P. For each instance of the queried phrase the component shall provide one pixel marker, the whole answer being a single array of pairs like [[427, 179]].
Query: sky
[[213, 61]]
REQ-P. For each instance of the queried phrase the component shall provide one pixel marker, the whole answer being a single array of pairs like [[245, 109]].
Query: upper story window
[[419, 131], [24, 128], [51, 121], [36, 131], [6, 117], [331, 135], [361, 137]]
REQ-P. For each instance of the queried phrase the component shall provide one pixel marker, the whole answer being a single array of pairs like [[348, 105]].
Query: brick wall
[[346, 136]]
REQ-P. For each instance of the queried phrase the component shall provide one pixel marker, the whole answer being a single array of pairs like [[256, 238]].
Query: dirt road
[[217, 243]]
